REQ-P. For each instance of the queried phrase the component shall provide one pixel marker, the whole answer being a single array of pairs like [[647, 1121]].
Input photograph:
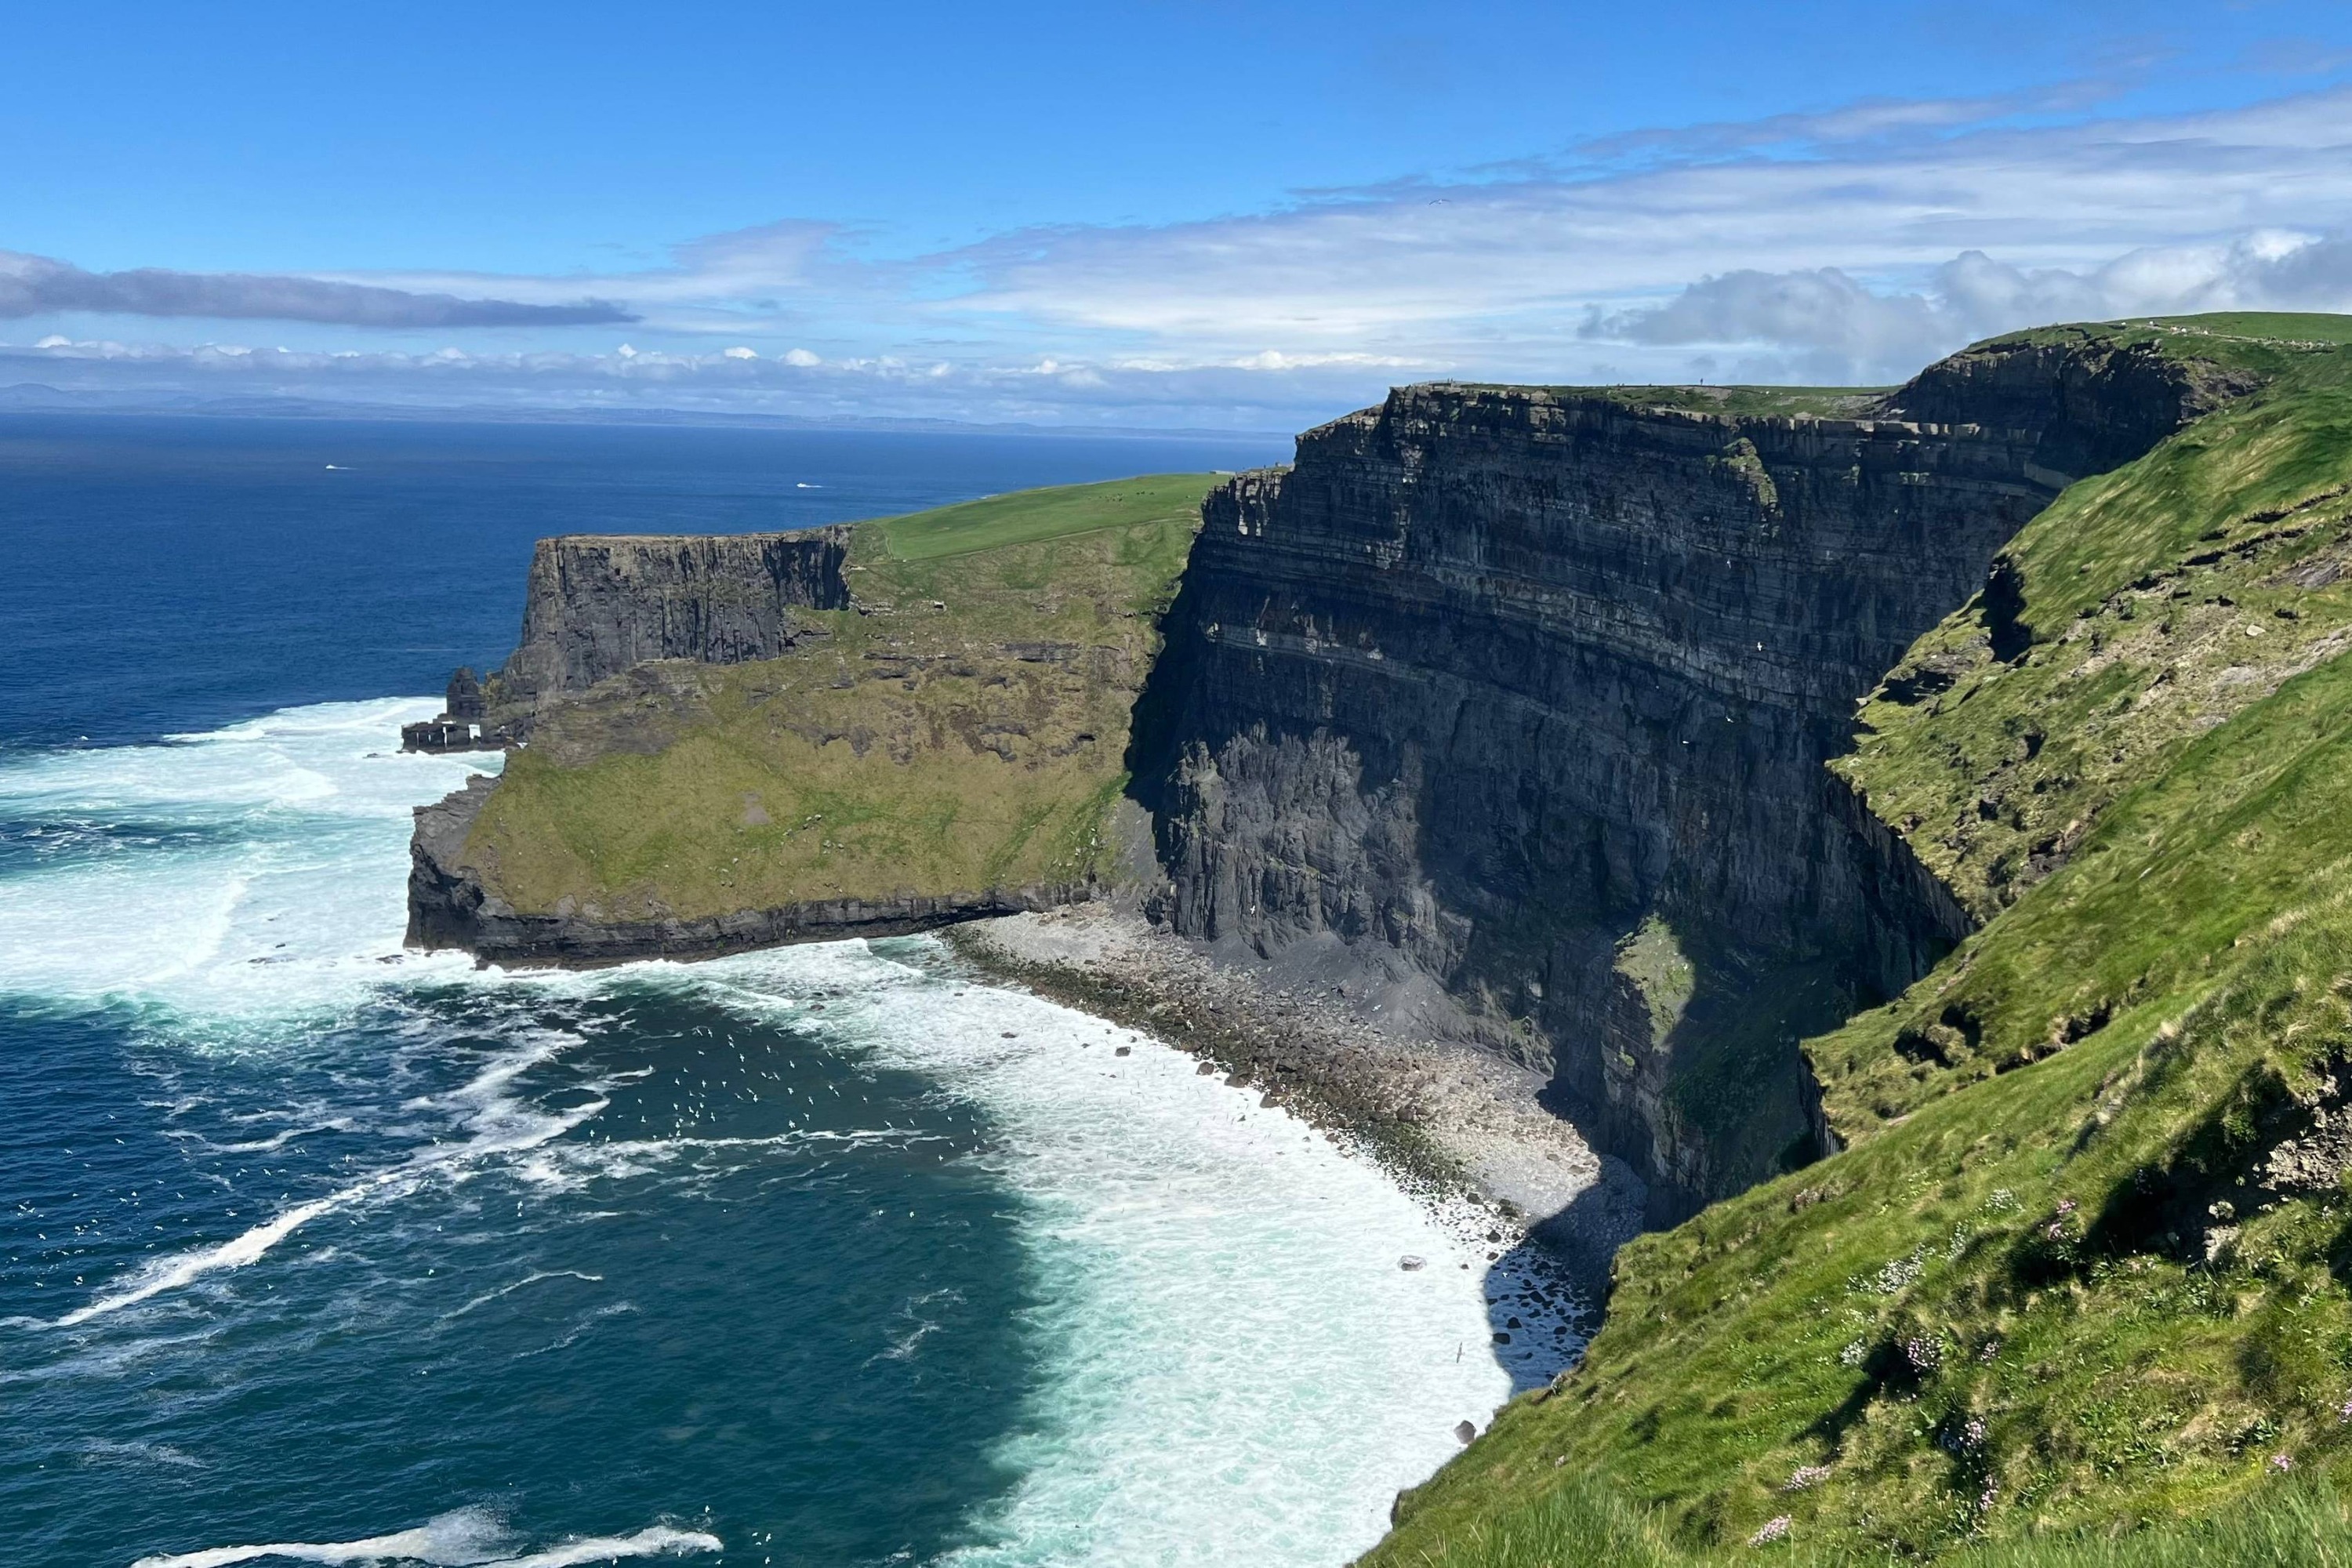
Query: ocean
[[314, 1251]]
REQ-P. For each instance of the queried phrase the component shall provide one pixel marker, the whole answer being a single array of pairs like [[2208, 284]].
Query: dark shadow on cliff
[[1157, 723], [1694, 1036], [1548, 1292]]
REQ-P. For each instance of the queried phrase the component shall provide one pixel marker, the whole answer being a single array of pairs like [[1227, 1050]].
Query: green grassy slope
[[2085, 1265], [963, 728], [1026, 517]]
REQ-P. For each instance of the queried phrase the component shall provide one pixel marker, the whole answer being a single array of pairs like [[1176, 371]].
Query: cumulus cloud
[[39, 285], [1838, 326]]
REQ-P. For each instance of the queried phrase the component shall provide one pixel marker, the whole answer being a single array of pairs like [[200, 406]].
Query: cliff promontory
[[598, 605], [855, 731]]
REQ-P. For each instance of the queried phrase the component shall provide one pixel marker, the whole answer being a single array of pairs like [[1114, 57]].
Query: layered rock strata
[[598, 605], [1533, 687]]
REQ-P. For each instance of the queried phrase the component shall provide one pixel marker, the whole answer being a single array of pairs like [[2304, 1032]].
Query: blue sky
[[1195, 214]]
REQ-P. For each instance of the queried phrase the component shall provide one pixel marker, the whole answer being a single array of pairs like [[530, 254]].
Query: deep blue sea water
[[170, 574], [312, 1250]]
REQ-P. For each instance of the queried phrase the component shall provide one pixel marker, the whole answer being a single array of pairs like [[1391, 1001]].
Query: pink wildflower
[[1805, 1476], [2281, 1463], [1772, 1529]]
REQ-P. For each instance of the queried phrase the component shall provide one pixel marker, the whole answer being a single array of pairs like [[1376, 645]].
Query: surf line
[[170, 1274], [465, 1539]]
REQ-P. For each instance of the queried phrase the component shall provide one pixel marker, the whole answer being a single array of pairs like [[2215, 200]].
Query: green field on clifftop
[[964, 727], [2086, 1265]]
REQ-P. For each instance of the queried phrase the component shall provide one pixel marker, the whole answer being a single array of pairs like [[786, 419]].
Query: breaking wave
[[454, 1210]]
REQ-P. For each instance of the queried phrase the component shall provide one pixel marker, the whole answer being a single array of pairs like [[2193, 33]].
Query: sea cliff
[[1524, 692], [1909, 827], [1534, 686], [595, 605]]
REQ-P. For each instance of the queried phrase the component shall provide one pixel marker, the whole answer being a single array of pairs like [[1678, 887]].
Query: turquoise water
[[314, 1251]]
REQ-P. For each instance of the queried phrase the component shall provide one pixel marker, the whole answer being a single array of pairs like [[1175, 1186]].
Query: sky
[[1194, 215]]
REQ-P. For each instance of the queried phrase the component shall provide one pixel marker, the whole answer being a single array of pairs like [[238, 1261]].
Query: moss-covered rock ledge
[[949, 742]]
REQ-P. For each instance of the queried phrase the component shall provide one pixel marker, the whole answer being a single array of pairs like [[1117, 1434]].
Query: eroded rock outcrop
[[598, 605], [776, 760]]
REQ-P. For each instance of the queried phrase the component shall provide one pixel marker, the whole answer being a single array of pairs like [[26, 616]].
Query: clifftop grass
[[2083, 1268], [962, 727]]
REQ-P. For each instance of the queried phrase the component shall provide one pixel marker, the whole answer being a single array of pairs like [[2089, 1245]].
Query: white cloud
[[1851, 245], [1059, 392], [1841, 329]]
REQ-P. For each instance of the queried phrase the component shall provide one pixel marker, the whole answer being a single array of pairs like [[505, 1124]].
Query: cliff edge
[[730, 746]]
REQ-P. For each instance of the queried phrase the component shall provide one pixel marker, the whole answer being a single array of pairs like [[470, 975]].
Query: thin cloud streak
[[1259, 394], [1392, 269], [41, 286]]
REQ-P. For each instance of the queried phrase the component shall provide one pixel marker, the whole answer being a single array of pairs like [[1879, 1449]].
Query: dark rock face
[[1535, 688], [2090, 406], [462, 726], [449, 908], [597, 604], [462, 701], [442, 735]]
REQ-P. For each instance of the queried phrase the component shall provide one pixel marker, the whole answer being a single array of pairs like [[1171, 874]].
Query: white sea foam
[[1237, 1369], [1240, 1371], [500, 1124], [661, 1541], [186, 1268], [278, 888], [468, 1538], [533, 1277]]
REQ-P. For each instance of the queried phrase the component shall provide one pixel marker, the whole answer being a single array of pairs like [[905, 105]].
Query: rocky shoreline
[[1457, 1125]]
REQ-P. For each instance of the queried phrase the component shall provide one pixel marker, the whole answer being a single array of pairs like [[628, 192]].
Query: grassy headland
[[2083, 1265], [962, 727]]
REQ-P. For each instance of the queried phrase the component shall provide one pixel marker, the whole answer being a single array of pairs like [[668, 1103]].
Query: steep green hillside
[[2086, 1263], [962, 727]]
